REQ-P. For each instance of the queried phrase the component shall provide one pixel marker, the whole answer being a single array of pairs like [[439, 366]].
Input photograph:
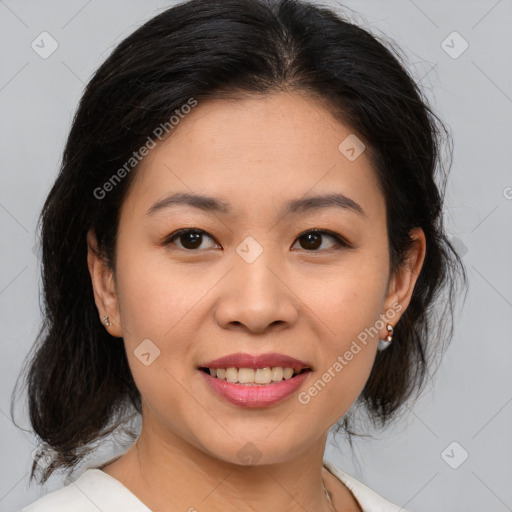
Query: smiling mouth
[[254, 377]]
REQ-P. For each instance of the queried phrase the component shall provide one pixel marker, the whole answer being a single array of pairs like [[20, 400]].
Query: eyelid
[[340, 240], [168, 239]]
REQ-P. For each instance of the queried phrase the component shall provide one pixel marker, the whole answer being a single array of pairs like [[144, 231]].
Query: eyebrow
[[293, 207]]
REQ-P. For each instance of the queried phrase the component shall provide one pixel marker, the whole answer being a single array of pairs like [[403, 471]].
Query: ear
[[402, 282], [103, 284]]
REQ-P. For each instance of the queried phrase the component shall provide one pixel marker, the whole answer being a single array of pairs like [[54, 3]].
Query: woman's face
[[253, 281]]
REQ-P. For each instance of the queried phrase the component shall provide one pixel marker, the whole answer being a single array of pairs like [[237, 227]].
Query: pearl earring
[[106, 321], [384, 344]]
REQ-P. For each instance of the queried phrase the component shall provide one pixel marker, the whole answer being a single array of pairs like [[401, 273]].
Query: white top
[[96, 490]]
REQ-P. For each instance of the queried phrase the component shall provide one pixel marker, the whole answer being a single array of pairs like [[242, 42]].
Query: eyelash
[[340, 241]]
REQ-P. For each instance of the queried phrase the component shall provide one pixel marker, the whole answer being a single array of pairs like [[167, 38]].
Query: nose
[[257, 297]]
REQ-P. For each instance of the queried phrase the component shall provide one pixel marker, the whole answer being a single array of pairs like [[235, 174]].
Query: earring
[[106, 321], [384, 344]]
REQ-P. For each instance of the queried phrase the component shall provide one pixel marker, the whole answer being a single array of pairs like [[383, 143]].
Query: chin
[[257, 450]]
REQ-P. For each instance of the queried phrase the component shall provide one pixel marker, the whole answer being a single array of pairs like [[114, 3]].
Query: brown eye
[[190, 239], [312, 240]]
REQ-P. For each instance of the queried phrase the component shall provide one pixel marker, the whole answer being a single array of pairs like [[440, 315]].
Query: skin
[[200, 304]]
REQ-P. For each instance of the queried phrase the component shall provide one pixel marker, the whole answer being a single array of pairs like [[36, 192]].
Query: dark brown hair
[[80, 387]]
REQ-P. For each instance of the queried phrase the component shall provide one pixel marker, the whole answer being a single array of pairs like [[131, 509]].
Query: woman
[[245, 240]]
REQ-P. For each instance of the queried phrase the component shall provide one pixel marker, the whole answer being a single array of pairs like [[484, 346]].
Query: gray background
[[470, 402]]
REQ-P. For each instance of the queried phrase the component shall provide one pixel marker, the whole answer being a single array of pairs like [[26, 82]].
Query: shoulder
[[69, 496], [368, 499], [94, 490]]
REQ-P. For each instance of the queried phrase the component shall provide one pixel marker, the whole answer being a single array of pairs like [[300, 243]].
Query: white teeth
[[287, 373], [263, 376], [232, 375], [277, 374], [245, 375], [251, 376]]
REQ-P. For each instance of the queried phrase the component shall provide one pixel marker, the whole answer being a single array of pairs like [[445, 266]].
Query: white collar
[[93, 490]]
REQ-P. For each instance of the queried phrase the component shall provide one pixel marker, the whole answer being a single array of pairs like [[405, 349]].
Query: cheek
[[349, 305], [154, 295], [155, 302], [349, 298], [345, 362]]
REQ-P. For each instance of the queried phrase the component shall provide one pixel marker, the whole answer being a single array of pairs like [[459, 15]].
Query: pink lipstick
[[288, 374]]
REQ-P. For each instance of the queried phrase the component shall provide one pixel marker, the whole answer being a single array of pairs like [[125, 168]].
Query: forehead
[[256, 150]]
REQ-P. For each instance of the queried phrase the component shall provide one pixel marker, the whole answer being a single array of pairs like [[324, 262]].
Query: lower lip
[[259, 395]]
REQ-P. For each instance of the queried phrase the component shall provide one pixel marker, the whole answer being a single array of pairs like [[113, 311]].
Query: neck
[[171, 474]]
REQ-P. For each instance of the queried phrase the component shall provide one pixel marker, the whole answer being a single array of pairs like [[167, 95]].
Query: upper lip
[[244, 360]]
